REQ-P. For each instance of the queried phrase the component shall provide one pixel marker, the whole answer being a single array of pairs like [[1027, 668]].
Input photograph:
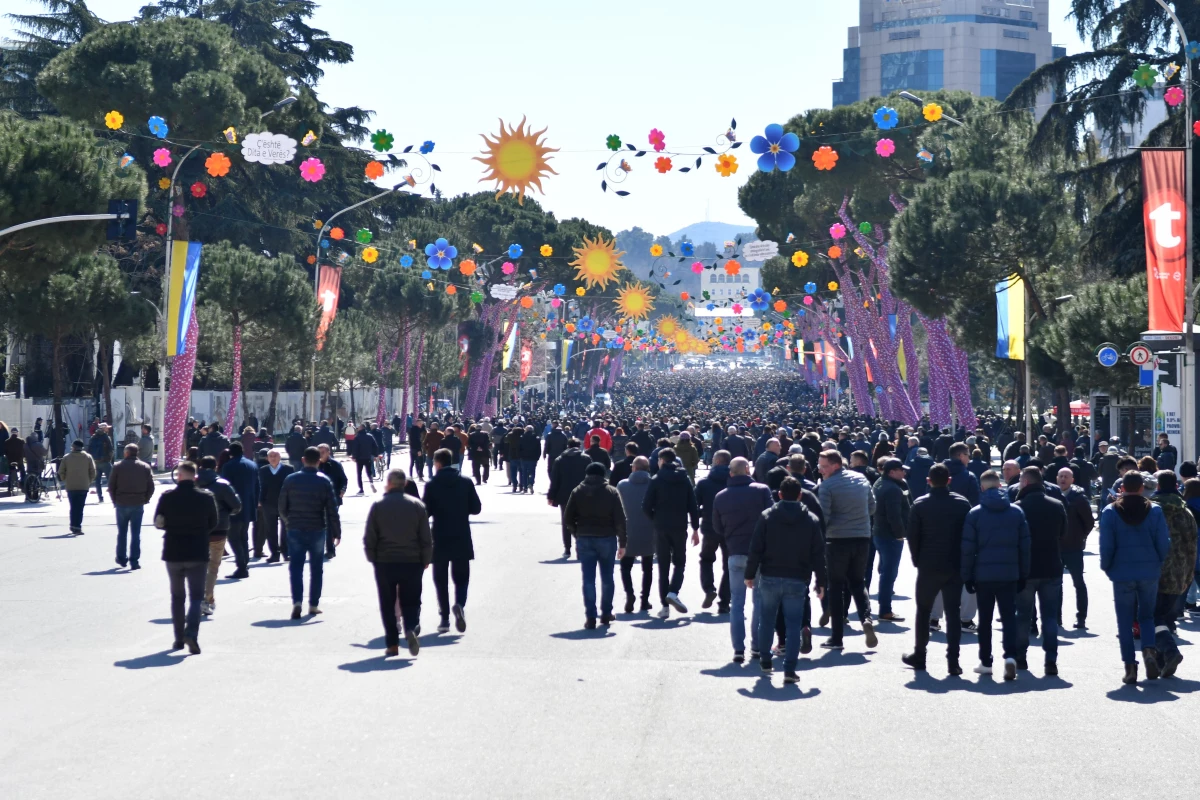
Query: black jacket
[[671, 500], [295, 445], [479, 446], [1080, 520], [566, 472], [307, 503], [787, 543], [891, 509], [736, 511], [594, 509], [599, 455], [530, 447], [272, 484], [644, 442], [213, 444], [337, 476], [737, 446], [228, 502], [620, 471], [189, 515], [398, 531], [935, 528], [556, 444], [1047, 520], [363, 447], [451, 500], [706, 494]]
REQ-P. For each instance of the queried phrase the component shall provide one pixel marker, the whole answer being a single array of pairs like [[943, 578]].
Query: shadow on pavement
[[991, 685], [732, 670], [303, 622], [764, 689], [111, 571], [656, 624], [1146, 692], [166, 658], [582, 634], [709, 618], [551, 561], [169, 621], [831, 658], [376, 664], [61, 536], [427, 640]]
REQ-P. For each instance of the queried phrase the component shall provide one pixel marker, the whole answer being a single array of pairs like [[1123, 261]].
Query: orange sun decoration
[[517, 160]]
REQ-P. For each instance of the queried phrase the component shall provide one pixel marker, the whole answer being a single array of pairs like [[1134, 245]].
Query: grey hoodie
[[848, 503]]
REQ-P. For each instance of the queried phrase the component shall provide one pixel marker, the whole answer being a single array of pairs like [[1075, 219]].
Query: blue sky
[[448, 71]]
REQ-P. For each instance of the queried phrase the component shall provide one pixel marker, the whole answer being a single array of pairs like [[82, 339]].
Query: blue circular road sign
[[1108, 356]]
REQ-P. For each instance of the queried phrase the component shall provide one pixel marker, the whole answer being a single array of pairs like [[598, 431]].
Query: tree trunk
[[104, 364], [417, 370], [1062, 398], [230, 427], [406, 402], [276, 380], [56, 441]]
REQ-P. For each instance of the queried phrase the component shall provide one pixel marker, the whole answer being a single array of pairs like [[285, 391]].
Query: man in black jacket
[[228, 504], [598, 454], [785, 551], [399, 545], [331, 468], [1047, 520], [479, 448], [735, 512], [595, 517], [295, 445], [670, 501], [567, 472], [270, 481], [416, 451], [623, 468], [529, 451], [309, 509], [451, 501], [706, 495], [186, 515], [1080, 523], [557, 443], [363, 449], [935, 527], [889, 528]]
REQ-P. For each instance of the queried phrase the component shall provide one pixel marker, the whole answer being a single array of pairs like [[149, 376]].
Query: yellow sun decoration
[[516, 158], [634, 301], [667, 326], [597, 262]]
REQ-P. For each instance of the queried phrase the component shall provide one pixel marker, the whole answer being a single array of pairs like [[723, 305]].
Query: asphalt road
[[526, 703]]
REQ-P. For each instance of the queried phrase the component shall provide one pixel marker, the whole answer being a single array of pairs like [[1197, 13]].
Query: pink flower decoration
[[162, 157], [1174, 96], [1196, 127], [737, 328], [555, 302], [658, 139], [312, 170], [837, 231], [697, 267], [884, 148], [508, 268], [737, 308], [177, 211], [808, 301]]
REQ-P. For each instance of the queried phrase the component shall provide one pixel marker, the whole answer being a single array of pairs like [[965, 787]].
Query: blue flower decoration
[[441, 254], [711, 306], [1192, 50], [599, 330], [810, 287], [687, 249], [759, 300], [406, 261], [559, 289], [159, 127], [774, 149], [427, 148], [801, 312], [324, 244], [585, 324], [886, 118], [426, 275], [515, 251]]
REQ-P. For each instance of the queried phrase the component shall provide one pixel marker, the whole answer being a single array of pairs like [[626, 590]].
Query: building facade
[[985, 47]]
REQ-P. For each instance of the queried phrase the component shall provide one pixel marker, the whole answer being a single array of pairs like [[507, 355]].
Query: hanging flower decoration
[[726, 165], [162, 157], [684, 296], [507, 268], [780, 306], [559, 289], [476, 297], [585, 324], [613, 142], [199, 190], [759, 300], [886, 118], [579, 291], [732, 267], [161, 229], [426, 147], [835, 252], [1192, 49], [799, 258], [687, 249], [451, 289], [1145, 76], [113, 120], [158, 126], [406, 261], [311, 260], [825, 158], [126, 160], [177, 211], [546, 251], [337, 234], [363, 236], [837, 231], [774, 149], [526, 302], [737, 309], [515, 251], [217, 165], [467, 267], [382, 141], [426, 274], [658, 139], [440, 254], [697, 267], [370, 255], [833, 286], [164, 183], [663, 164], [374, 170], [1173, 96], [864, 227], [1196, 127], [808, 301], [932, 112], [312, 170], [656, 250], [884, 148], [569, 327]]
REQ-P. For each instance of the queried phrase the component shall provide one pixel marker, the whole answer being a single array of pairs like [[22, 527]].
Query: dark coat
[[479, 446], [295, 444], [787, 543], [1047, 520], [213, 444], [556, 444], [935, 530], [620, 471], [188, 515], [530, 447], [737, 447], [962, 481], [891, 509], [307, 503], [398, 531], [736, 510], [566, 473], [764, 464], [995, 543], [228, 502], [337, 476], [451, 501], [671, 501], [363, 448], [272, 484], [599, 455], [1133, 539], [706, 493], [243, 477], [1080, 520], [918, 472], [325, 436], [131, 483], [594, 509]]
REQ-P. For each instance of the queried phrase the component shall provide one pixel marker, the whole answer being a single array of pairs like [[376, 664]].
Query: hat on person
[[262, 453], [890, 464], [594, 468], [1149, 482]]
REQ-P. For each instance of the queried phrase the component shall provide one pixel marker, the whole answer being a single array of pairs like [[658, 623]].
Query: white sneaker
[[983, 669], [205, 609], [663, 612], [674, 602]]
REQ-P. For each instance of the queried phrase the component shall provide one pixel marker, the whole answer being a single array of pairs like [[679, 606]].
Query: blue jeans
[[890, 552], [1049, 592], [1127, 594], [596, 551], [528, 468], [103, 471], [737, 605], [789, 593], [77, 498], [300, 543], [129, 521]]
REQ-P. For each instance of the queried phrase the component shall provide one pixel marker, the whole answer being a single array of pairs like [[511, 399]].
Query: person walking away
[[77, 471], [400, 548], [1080, 522], [995, 566], [387, 438], [848, 504], [214, 442], [187, 515], [479, 445], [670, 502], [416, 449], [451, 501], [295, 445], [308, 507], [889, 529], [1047, 520], [595, 518], [242, 475], [599, 455], [14, 453], [556, 444], [145, 446], [431, 442], [935, 530], [766, 461], [567, 472], [331, 468], [131, 486], [100, 448], [688, 454], [512, 456], [639, 532], [706, 495], [736, 510], [529, 451], [267, 529], [228, 504], [363, 450], [786, 550], [35, 458], [1178, 571]]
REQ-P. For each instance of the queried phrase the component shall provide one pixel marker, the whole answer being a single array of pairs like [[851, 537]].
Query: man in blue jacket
[[309, 510], [1133, 545], [242, 475], [735, 511], [962, 480], [995, 565]]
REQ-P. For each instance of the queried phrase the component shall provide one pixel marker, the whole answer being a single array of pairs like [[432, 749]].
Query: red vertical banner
[[329, 285], [526, 363], [831, 364], [1164, 212]]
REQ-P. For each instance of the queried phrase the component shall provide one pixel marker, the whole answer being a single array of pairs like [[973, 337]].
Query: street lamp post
[[162, 381]]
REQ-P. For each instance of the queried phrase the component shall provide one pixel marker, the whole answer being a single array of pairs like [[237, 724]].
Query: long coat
[[451, 500], [639, 529]]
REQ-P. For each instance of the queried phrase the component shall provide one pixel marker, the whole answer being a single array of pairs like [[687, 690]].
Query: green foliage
[[249, 287], [38, 39]]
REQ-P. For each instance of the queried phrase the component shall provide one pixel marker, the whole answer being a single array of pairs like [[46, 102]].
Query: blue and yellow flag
[[567, 344], [1010, 319], [181, 294]]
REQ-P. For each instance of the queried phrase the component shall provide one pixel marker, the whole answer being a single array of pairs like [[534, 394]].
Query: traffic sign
[[1140, 355], [1108, 356]]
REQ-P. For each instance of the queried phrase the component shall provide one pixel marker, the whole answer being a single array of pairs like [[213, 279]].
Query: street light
[[162, 383], [282, 104], [912, 98]]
